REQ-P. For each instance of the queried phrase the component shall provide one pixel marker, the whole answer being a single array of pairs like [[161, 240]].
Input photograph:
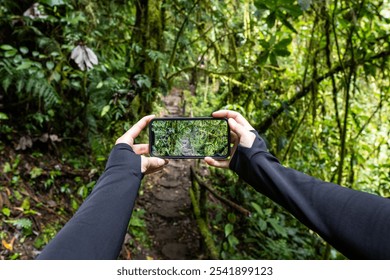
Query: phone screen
[[189, 137]]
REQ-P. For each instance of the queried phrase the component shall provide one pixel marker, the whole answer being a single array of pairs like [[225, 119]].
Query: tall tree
[[148, 39]]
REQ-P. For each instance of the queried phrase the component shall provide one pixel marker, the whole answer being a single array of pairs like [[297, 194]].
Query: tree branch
[[179, 34], [217, 195], [329, 64]]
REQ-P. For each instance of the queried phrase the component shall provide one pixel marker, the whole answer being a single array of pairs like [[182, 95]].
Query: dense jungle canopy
[[312, 76]]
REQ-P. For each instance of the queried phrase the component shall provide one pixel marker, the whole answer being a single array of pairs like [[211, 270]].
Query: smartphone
[[189, 137]]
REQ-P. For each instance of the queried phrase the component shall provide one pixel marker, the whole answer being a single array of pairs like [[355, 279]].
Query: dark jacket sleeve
[[355, 223], [98, 228]]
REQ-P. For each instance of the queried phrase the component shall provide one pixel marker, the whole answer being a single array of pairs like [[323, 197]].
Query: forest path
[[171, 225]]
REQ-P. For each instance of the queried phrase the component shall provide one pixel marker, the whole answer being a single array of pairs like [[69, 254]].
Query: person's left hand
[[148, 164]]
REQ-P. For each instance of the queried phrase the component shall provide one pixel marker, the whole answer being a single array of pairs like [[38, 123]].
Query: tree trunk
[[148, 35]]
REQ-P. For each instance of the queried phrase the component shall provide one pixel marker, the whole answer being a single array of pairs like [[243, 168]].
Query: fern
[[48, 94], [6, 82], [26, 83], [19, 85], [29, 85], [23, 223]]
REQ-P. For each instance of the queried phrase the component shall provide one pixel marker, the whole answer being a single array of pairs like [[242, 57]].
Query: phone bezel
[[151, 137]]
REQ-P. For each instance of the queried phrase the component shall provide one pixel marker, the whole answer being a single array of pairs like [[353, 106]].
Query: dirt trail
[[170, 222]]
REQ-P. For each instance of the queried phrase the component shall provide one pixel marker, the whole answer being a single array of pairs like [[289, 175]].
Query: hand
[[148, 164], [240, 132]]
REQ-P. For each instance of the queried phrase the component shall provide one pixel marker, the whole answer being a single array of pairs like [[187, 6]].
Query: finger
[[237, 128], [234, 115], [141, 149], [225, 114], [136, 129], [246, 137], [217, 163]]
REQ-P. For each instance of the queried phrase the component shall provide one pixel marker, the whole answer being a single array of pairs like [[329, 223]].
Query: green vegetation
[[190, 138], [311, 76]]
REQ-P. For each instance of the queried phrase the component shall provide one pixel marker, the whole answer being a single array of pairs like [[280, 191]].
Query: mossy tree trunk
[[147, 35]]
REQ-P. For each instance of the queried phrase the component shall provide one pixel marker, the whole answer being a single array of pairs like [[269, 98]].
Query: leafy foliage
[[26, 76], [311, 76]]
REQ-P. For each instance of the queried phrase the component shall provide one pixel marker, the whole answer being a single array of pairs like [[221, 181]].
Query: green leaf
[[3, 116], [263, 57], [36, 172], [74, 204], [40, 75], [6, 83], [264, 44], [262, 224], [10, 53], [278, 228], [271, 19], [25, 65], [283, 44], [284, 20], [26, 204], [40, 242], [105, 110], [23, 223], [23, 50], [137, 222], [233, 241], [14, 256], [54, 54], [155, 55], [17, 59], [143, 80], [281, 52], [49, 65], [19, 85], [7, 47], [228, 229], [257, 208], [273, 60], [232, 218], [7, 167], [6, 211], [17, 194], [100, 85], [56, 76]]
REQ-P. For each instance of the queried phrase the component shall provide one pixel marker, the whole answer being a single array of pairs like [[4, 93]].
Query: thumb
[[152, 164]]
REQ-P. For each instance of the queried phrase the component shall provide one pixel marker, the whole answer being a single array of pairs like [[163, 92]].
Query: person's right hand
[[241, 132]]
